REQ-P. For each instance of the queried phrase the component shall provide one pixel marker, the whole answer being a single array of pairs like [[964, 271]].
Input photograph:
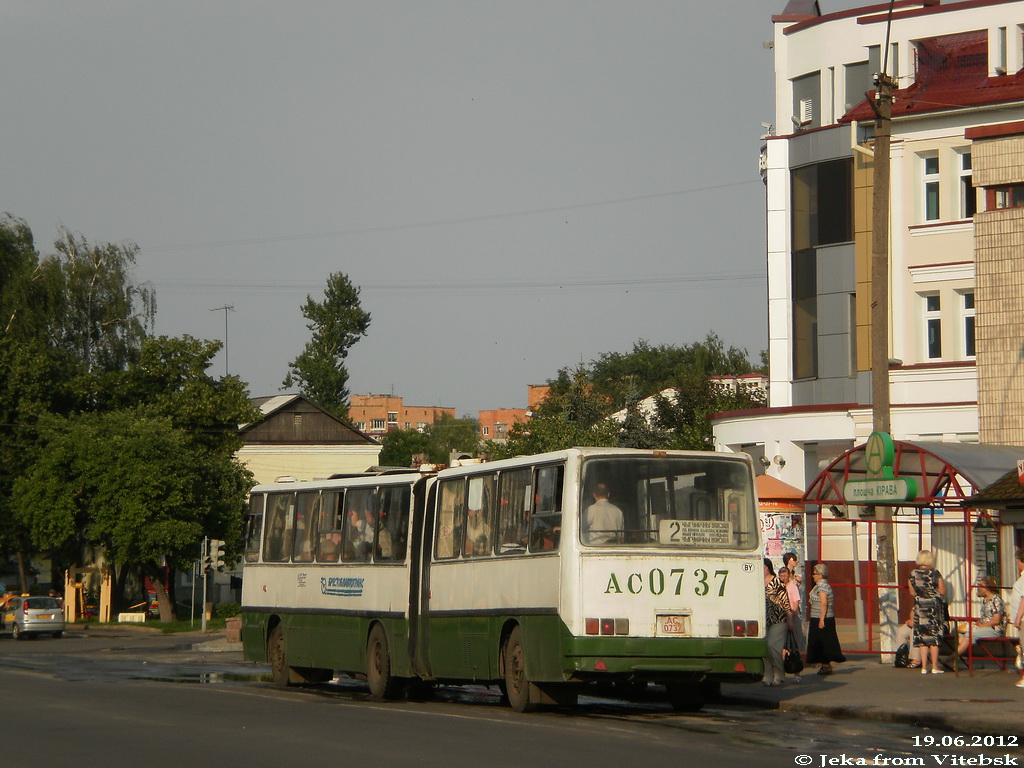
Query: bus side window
[[254, 529], [306, 507], [479, 516], [515, 494], [450, 519], [329, 527], [277, 544], [393, 524], [360, 524], [546, 524]]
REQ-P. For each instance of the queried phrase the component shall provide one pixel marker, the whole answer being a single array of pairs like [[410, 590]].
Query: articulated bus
[[541, 574]]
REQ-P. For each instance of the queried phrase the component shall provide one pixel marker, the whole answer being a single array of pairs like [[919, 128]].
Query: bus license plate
[[673, 624]]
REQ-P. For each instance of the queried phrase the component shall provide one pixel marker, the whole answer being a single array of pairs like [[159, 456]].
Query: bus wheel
[[279, 670], [517, 687], [378, 665], [686, 695]]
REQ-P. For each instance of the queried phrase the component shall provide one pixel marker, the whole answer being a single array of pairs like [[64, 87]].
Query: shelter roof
[[946, 473], [1005, 493]]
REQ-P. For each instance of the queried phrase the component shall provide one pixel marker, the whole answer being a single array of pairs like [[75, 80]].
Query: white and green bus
[[541, 574]]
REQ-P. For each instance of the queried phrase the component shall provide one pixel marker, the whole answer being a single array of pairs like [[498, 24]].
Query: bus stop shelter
[[968, 540]]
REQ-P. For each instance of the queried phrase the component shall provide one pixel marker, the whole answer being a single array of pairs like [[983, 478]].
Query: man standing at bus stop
[[602, 520]]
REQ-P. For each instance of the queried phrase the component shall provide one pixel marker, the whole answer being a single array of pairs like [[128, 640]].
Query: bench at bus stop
[[1002, 651]]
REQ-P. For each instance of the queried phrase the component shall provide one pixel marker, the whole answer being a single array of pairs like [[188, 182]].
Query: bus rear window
[[680, 502]]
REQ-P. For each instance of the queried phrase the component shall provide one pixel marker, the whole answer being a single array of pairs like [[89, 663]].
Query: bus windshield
[[687, 502]]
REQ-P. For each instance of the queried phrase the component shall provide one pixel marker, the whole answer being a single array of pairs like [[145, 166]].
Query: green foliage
[[94, 312], [111, 441], [399, 446], [581, 400], [227, 610], [449, 434], [336, 324]]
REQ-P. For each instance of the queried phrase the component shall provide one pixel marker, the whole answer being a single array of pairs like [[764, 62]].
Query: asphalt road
[[139, 701]]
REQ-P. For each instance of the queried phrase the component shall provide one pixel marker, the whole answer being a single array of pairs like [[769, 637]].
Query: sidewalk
[[986, 703]]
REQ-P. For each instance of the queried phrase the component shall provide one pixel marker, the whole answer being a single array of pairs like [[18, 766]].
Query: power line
[[482, 286], [438, 222]]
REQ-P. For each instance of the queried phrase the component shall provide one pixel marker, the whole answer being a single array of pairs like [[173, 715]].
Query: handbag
[[902, 658], [791, 661]]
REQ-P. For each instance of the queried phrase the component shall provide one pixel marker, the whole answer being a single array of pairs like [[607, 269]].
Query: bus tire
[[280, 673], [686, 695], [378, 665], [517, 686]]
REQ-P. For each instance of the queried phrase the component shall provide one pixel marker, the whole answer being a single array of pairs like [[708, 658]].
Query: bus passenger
[[602, 523], [478, 533]]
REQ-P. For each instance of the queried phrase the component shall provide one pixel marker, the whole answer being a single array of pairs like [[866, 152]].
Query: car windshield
[[687, 502], [42, 603]]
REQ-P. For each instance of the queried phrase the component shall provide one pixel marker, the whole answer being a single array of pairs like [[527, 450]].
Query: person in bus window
[[478, 533], [602, 520]]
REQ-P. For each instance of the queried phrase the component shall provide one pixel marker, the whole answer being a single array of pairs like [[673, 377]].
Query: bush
[[227, 610]]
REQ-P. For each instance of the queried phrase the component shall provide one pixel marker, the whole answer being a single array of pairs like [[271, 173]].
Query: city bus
[[542, 574]]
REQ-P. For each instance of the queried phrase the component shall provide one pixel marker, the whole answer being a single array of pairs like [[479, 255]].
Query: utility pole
[[888, 597], [225, 309]]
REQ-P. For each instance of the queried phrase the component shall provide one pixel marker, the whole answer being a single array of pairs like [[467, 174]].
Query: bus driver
[[602, 520]]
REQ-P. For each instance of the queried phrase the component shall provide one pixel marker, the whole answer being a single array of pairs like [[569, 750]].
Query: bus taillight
[[737, 628], [606, 626]]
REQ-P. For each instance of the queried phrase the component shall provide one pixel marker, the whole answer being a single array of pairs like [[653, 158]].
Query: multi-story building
[[377, 415], [959, 84], [495, 424]]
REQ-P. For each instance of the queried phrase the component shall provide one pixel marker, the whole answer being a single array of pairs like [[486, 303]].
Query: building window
[[968, 197], [858, 81], [805, 315], [420, 426], [967, 310], [930, 177], [932, 326], [378, 424], [1010, 196], [486, 431], [361, 426], [822, 204], [806, 94], [393, 417]]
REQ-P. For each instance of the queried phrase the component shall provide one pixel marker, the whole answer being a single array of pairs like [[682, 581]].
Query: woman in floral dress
[[928, 589]]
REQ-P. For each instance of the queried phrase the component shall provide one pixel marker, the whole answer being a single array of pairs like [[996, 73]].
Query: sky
[[515, 186]]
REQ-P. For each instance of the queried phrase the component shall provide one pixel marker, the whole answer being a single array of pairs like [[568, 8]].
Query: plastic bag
[[902, 658]]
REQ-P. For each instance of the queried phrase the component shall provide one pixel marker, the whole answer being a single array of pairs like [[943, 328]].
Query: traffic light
[[216, 558]]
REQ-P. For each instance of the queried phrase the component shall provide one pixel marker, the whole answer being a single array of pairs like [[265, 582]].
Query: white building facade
[[957, 66]]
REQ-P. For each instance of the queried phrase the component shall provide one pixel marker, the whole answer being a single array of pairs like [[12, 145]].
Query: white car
[[27, 616]]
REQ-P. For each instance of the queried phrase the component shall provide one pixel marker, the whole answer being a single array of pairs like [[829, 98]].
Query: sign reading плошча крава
[[880, 485]]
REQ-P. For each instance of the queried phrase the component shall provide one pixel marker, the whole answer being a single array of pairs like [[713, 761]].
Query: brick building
[[377, 415]]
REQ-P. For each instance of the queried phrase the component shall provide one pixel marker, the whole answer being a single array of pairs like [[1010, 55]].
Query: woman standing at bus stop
[[822, 641], [776, 603], [928, 589]]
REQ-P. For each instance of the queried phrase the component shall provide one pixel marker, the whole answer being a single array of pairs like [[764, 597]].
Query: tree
[[336, 323], [449, 434], [581, 400], [142, 482], [400, 445], [95, 313], [572, 415]]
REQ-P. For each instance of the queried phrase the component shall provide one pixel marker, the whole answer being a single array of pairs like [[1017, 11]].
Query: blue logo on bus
[[341, 586]]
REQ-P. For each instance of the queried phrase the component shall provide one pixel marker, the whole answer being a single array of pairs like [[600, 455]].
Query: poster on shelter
[[782, 533]]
